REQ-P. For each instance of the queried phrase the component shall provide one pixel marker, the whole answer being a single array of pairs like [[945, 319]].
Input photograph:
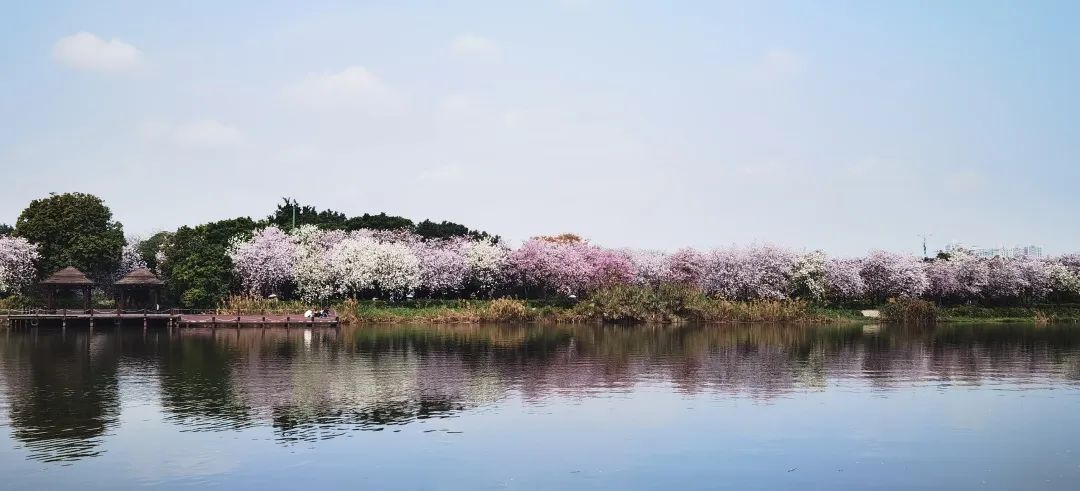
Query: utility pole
[[292, 204], [924, 237]]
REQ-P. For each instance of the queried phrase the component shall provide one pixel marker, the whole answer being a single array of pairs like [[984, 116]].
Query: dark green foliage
[[333, 220], [73, 229], [445, 230], [149, 248], [5, 229], [382, 221], [197, 269], [305, 215]]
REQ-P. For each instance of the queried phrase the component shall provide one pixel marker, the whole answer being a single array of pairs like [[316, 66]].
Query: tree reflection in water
[[62, 391]]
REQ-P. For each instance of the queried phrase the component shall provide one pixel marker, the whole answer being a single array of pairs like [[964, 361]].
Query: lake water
[[553, 407]]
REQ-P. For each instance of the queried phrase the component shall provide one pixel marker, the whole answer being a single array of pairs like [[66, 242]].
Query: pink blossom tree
[[265, 263], [843, 280], [651, 268], [443, 265], [889, 275], [686, 266], [17, 259], [758, 272]]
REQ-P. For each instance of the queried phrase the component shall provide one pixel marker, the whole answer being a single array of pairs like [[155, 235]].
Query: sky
[[841, 126]]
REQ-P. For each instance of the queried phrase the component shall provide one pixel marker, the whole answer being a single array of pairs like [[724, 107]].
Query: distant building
[[1019, 251]]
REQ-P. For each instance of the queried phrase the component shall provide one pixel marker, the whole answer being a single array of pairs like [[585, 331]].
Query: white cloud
[[778, 64], [85, 51], [354, 86], [199, 134], [472, 45]]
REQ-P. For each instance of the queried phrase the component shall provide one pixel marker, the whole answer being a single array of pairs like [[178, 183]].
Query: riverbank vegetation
[[376, 268]]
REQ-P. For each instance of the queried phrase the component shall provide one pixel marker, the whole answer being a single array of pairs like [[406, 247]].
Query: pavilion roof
[[68, 276], [140, 276]]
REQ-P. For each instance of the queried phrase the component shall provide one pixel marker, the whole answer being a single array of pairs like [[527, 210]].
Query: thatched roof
[[68, 276], [141, 276]]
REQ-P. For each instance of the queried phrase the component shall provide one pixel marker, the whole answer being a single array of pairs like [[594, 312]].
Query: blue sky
[[844, 126]]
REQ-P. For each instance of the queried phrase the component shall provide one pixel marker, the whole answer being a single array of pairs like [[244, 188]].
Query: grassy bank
[[1046, 313], [622, 304]]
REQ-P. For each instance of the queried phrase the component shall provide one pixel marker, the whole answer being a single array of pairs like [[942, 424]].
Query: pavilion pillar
[[51, 295], [86, 297], [123, 299]]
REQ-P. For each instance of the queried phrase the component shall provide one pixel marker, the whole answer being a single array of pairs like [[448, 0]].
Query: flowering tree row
[[321, 264], [316, 265]]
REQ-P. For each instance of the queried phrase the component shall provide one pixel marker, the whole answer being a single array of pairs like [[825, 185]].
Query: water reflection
[[62, 392]]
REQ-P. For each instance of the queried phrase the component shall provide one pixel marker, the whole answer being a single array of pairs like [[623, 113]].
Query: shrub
[[506, 310], [909, 311]]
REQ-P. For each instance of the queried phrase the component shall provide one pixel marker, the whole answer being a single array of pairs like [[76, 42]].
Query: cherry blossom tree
[[651, 268], [758, 272], [17, 259], [265, 263], [314, 274], [130, 258], [443, 265], [889, 275], [843, 280], [487, 265], [686, 266], [362, 264], [808, 276]]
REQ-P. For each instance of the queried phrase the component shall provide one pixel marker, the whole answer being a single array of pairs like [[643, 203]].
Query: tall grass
[[909, 311], [674, 303]]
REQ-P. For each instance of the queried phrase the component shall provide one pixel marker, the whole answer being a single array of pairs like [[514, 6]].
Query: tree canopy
[[335, 220], [73, 229], [197, 268]]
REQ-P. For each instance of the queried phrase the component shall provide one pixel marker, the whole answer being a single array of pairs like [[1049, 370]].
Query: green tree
[[305, 215], [444, 230], [148, 249], [197, 269], [332, 220], [382, 221], [5, 229], [73, 229], [289, 209]]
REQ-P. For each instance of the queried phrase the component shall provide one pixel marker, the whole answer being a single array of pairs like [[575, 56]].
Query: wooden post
[[286, 322], [86, 296], [213, 322]]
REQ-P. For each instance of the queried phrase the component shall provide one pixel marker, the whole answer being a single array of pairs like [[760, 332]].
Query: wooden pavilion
[[68, 278], [138, 280]]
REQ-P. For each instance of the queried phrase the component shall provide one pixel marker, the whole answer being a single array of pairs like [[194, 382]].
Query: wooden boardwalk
[[170, 318]]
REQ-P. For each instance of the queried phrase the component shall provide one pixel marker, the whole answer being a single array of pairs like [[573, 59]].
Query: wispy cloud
[[355, 86], [85, 51]]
